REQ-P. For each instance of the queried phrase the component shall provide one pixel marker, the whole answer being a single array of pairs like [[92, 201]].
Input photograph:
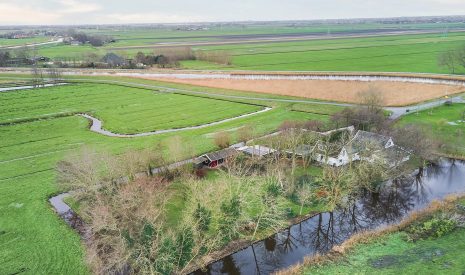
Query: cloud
[[73, 6], [150, 17], [179, 11], [15, 14]]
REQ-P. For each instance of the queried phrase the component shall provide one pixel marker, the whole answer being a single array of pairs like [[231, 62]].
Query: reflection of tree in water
[[229, 266], [269, 256], [455, 172], [321, 232], [390, 204]]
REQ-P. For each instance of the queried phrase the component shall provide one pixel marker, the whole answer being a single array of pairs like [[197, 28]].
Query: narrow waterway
[[320, 233], [17, 88]]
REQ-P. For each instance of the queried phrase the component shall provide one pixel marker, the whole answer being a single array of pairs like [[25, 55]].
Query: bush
[[222, 139], [433, 228]]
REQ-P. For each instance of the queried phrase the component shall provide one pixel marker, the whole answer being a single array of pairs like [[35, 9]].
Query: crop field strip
[[122, 109]]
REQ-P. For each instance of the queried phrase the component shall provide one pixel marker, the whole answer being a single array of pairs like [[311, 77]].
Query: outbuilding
[[215, 159]]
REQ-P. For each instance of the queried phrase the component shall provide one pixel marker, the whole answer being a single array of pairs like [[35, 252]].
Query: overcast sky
[[14, 12]]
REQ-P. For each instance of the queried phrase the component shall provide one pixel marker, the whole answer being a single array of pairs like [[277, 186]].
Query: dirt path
[[97, 126]]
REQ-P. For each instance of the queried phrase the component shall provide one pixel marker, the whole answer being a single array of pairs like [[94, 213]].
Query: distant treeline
[[94, 40], [162, 58]]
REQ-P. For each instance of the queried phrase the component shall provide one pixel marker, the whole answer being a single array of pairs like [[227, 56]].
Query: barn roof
[[257, 150], [222, 154], [364, 139], [302, 150]]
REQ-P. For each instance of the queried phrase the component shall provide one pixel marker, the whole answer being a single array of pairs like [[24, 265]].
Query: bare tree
[[54, 75], [416, 139], [37, 76], [372, 99], [450, 60]]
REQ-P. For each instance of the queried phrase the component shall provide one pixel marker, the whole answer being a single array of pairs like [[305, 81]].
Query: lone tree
[[453, 59], [449, 59]]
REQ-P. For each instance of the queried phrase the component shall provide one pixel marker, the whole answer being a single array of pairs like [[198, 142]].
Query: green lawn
[[443, 124], [394, 255], [33, 240], [123, 109]]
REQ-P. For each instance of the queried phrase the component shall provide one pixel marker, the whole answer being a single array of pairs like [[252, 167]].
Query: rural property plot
[[122, 109], [394, 93]]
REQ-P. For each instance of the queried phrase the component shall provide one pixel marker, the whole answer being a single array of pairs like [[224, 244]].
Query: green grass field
[[33, 239], [393, 254], [123, 109], [403, 53], [443, 124], [23, 41]]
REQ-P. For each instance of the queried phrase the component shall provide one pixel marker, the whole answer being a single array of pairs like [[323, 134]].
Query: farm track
[[96, 126]]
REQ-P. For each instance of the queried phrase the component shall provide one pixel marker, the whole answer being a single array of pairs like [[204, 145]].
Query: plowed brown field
[[394, 93]]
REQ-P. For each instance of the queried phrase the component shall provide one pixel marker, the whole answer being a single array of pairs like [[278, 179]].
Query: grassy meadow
[[400, 53], [33, 239], [443, 124], [23, 41], [123, 109]]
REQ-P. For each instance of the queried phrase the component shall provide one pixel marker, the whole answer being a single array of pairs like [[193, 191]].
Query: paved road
[[400, 111]]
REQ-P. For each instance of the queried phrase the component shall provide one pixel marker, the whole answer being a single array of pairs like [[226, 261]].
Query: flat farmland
[[34, 239], [398, 53], [23, 41], [393, 93], [122, 109]]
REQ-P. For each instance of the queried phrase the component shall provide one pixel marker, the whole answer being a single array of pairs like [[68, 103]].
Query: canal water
[[320, 233]]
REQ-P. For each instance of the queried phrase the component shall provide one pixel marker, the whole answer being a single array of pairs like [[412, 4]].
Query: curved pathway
[[97, 126]]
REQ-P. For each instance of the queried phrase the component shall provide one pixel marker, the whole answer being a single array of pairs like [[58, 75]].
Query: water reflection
[[321, 232]]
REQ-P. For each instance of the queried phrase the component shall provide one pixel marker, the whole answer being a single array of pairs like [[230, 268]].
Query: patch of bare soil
[[394, 93]]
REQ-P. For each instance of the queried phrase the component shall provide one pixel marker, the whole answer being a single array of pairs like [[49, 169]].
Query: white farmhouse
[[365, 146]]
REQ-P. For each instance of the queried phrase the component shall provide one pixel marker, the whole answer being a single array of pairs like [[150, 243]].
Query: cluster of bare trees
[[370, 116], [94, 40], [219, 57], [42, 76]]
